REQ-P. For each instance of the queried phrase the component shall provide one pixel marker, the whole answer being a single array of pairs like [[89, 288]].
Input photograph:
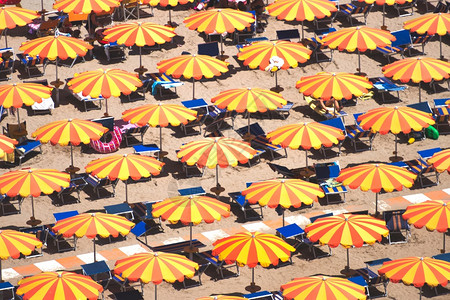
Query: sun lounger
[[402, 42], [47, 104], [404, 7], [358, 136], [62, 244], [196, 170], [76, 185], [286, 172], [352, 11], [424, 107], [359, 280], [25, 146], [129, 295], [162, 82], [220, 265], [5, 200], [329, 113], [7, 63], [384, 85], [441, 7], [288, 35], [64, 215], [125, 284], [178, 247], [193, 191], [284, 111], [423, 170], [395, 223], [189, 282], [41, 234], [99, 272], [32, 64], [114, 51], [88, 98], [339, 124], [143, 212], [247, 32], [442, 112], [443, 256], [419, 40], [326, 174], [211, 49], [372, 278], [97, 184], [7, 287], [121, 209], [147, 149], [240, 200], [262, 295], [311, 244], [292, 231], [135, 133]]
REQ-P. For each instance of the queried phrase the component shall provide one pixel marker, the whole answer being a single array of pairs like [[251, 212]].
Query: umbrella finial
[[139, 23], [305, 123], [125, 155], [445, 204], [249, 88], [282, 180], [324, 278], [396, 107], [358, 27], [14, 84], [191, 196], [30, 171], [253, 235], [59, 274], [69, 120], [346, 219], [194, 55], [93, 215], [421, 258], [155, 254], [333, 74]]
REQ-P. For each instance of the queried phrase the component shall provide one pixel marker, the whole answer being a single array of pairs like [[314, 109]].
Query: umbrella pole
[[1, 278], [137, 6], [420, 293], [71, 155], [376, 204], [156, 291], [18, 118], [384, 15], [420, 93], [6, 40], [160, 138], [126, 191], [359, 62], [170, 24], [106, 105], [442, 251], [32, 208], [57, 82], [95, 257], [140, 56], [348, 260], [303, 32], [283, 216], [440, 47], [306, 156], [217, 176], [396, 147], [221, 47], [193, 88], [253, 276]]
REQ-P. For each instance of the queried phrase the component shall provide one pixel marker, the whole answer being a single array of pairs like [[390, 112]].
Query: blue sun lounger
[[371, 277], [262, 295], [162, 81], [220, 265], [326, 174], [384, 85], [403, 41]]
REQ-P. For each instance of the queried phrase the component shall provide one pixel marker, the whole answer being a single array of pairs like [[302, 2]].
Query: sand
[[422, 243]]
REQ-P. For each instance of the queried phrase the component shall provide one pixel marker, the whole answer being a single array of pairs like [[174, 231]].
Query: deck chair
[[33, 64], [261, 141], [79, 96], [6, 200], [47, 105], [248, 32], [62, 244], [339, 124], [192, 191], [162, 82], [423, 170], [41, 234], [129, 9], [371, 277], [246, 207], [424, 107], [125, 284], [404, 7], [143, 212], [25, 146], [48, 27], [395, 223], [284, 111], [197, 172], [261, 295], [7, 63], [97, 184], [358, 136], [7, 287], [442, 112], [326, 174], [312, 245], [199, 121], [384, 85], [441, 7], [419, 40], [352, 11], [76, 185], [135, 133], [403, 41], [114, 51], [219, 265], [288, 35], [327, 20], [328, 113], [211, 49]]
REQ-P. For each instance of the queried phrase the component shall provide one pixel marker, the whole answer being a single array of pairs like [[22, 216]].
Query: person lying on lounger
[[326, 104]]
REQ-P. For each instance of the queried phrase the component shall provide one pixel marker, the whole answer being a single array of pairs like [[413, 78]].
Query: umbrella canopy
[[159, 115], [7, 145], [14, 243], [93, 224], [155, 267], [322, 287], [283, 192], [105, 82], [140, 34], [167, 3], [327, 85], [395, 119], [59, 285], [430, 24], [85, 6], [251, 249], [124, 166], [384, 3], [348, 230], [193, 66], [433, 214], [301, 10], [418, 70], [306, 136], [359, 38], [33, 182], [417, 271], [441, 161], [10, 17]]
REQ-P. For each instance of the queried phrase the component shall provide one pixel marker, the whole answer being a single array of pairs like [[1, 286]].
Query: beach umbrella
[[221, 297], [33, 182], [159, 115], [322, 287], [260, 54], [251, 249], [219, 21], [306, 136], [55, 48], [85, 6], [59, 285], [376, 177], [93, 224], [347, 230], [125, 166], [337, 85], [193, 66], [430, 24], [7, 145], [384, 3], [140, 34], [417, 271], [12, 16], [155, 267], [105, 83], [359, 38], [283, 192], [190, 210], [395, 119], [69, 131], [433, 214], [418, 69], [216, 152], [18, 94], [301, 10], [441, 161], [167, 3], [14, 243], [249, 99]]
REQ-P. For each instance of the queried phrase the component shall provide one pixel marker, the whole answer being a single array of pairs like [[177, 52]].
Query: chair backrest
[[336, 122], [17, 131], [420, 38], [428, 153], [402, 38], [41, 81], [422, 106], [211, 49], [7, 53], [355, 116], [441, 7], [327, 170], [312, 219], [256, 129], [288, 34], [440, 102], [107, 122], [394, 220], [443, 256]]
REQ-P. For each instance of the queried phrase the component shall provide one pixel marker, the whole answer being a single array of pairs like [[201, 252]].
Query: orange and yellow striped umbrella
[[7, 145], [219, 20], [418, 69], [85, 6], [251, 249], [441, 161], [301, 10], [221, 297], [193, 66], [359, 38], [430, 24], [155, 267], [164, 3], [306, 136], [384, 3], [283, 192], [434, 214], [417, 271], [105, 82], [337, 85], [124, 166], [33, 182], [14, 243], [10, 17], [322, 287], [348, 230], [59, 285], [93, 224]]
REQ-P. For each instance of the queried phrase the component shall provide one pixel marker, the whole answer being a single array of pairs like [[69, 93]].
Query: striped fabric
[[390, 49], [355, 131], [419, 166], [329, 190]]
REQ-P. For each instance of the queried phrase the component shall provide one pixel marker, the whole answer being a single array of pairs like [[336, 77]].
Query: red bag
[[9, 2]]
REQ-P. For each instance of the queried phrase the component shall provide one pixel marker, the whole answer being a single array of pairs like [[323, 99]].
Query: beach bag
[[431, 133]]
